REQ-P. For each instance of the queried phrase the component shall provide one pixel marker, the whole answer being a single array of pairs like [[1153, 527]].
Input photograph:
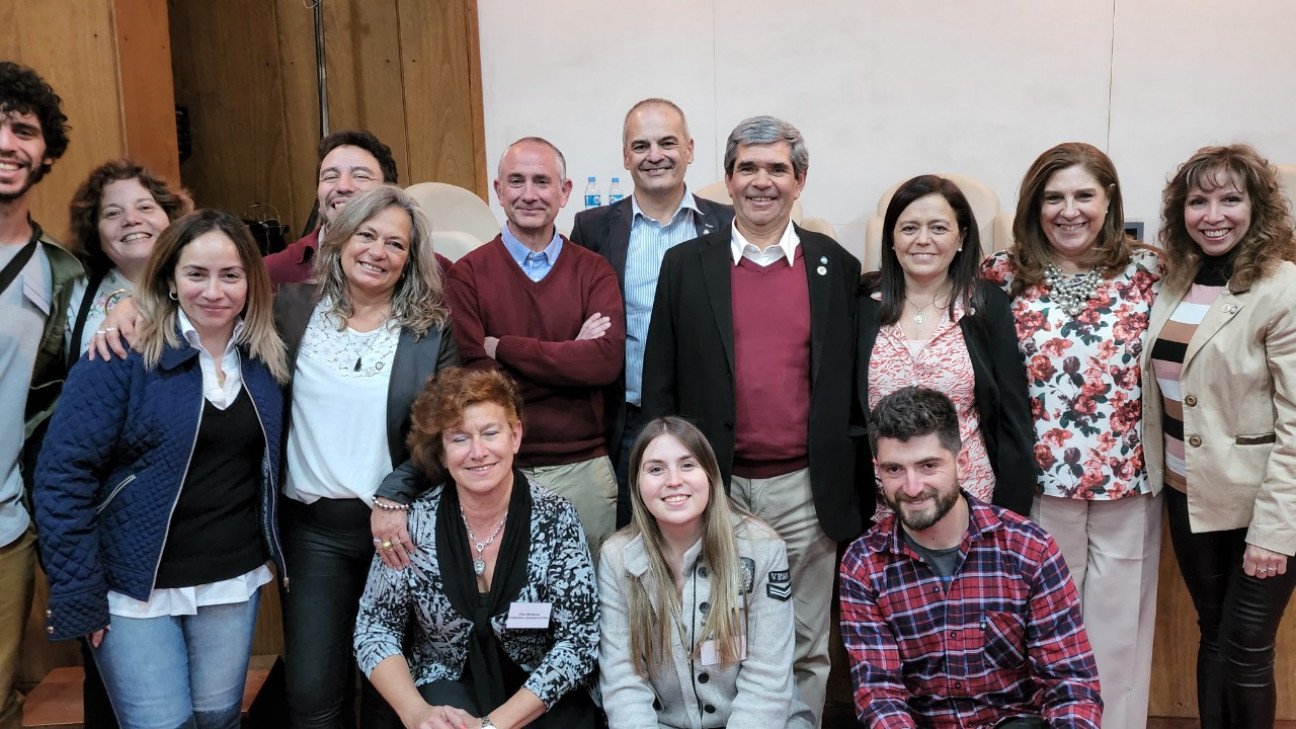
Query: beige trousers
[[786, 503], [1113, 551], [591, 487]]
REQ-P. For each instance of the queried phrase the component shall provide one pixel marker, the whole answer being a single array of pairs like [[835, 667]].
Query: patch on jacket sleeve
[[747, 573], [779, 585]]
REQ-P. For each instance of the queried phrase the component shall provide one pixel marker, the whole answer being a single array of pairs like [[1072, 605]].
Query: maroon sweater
[[771, 315], [561, 379]]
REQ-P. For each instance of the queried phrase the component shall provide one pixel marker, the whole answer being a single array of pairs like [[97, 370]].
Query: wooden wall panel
[[1174, 661], [441, 68], [227, 72], [362, 47], [296, 29], [147, 101]]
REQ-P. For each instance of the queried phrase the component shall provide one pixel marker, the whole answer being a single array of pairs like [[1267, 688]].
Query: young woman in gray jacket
[[695, 598]]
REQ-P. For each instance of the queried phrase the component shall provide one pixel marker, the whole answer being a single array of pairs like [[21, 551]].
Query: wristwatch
[[487, 723]]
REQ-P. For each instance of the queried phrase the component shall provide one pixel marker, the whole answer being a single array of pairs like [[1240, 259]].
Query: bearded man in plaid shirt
[[957, 613]]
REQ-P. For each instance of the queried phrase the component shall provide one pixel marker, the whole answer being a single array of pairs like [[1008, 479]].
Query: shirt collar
[[519, 251], [688, 202], [191, 334], [787, 244]]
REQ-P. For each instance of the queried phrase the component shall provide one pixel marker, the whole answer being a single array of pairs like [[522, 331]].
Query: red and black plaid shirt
[[1002, 637]]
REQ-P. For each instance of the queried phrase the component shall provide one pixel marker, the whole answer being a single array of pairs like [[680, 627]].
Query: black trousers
[[1238, 617], [634, 422], [328, 549]]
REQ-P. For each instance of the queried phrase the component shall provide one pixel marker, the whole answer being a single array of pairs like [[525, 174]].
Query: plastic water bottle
[[614, 191], [592, 197]]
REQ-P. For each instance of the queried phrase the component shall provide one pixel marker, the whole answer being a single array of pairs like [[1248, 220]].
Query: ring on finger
[[101, 331], [386, 544], [109, 329]]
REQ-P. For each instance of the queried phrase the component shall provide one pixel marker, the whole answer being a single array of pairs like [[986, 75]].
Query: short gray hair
[[767, 130], [562, 161]]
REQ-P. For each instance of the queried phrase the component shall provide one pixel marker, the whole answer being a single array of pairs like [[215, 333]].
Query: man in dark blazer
[[753, 338], [634, 234]]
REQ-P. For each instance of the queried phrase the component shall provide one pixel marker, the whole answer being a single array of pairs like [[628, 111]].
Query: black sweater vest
[[215, 531]]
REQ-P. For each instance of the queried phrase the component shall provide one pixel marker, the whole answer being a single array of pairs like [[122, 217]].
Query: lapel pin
[[823, 259], [1230, 309], [823, 270]]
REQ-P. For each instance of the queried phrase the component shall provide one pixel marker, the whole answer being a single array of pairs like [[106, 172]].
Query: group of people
[[714, 402]]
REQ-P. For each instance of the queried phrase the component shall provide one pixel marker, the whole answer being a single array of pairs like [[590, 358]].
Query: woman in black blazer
[[925, 319]]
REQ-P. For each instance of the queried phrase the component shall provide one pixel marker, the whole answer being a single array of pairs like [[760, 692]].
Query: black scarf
[[456, 557]]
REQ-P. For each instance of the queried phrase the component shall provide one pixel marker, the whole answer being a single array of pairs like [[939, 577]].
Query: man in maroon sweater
[[548, 313], [753, 337]]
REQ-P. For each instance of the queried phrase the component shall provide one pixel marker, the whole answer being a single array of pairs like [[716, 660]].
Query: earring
[[173, 295]]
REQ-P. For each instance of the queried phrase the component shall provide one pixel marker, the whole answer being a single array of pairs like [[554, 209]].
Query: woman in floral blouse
[[495, 622], [925, 319], [1082, 291]]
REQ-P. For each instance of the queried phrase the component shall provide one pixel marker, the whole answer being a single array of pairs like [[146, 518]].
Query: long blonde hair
[[418, 303], [158, 309], [653, 616]]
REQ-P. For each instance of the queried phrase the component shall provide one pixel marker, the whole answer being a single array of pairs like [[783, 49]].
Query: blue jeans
[[183, 671]]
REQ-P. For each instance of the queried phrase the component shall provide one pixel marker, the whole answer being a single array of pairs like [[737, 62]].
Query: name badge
[[528, 615], [710, 654]]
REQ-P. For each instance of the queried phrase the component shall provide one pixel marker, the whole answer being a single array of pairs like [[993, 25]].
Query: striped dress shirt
[[649, 241]]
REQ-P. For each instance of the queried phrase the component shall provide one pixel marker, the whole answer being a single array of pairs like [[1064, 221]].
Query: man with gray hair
[[753, 338], [550, 315], [633, 235]]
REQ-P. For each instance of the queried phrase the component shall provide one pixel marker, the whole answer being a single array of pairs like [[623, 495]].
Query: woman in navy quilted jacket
[[155, 490]]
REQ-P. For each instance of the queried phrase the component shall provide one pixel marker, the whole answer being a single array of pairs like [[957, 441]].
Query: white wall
[[887, 89]]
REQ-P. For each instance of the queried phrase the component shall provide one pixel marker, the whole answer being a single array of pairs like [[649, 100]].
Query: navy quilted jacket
[[110, 473]]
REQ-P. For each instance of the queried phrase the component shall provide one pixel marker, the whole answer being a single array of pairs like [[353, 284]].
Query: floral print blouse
[[1084, 377], [943, 364]]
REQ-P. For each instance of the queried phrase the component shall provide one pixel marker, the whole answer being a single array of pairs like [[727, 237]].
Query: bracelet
[[112, 300], [387, 505]]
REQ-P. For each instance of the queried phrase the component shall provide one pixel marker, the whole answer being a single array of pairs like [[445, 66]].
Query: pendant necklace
[[479, 564], [920, 316]]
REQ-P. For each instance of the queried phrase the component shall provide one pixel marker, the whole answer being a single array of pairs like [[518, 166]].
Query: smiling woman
[[156, 489], [696, 615], [1081, 294], [495, 620], [925, 318], [117, 214], [361, 343]]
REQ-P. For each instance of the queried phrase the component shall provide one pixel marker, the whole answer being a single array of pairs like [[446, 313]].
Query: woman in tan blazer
[[1219, 381]]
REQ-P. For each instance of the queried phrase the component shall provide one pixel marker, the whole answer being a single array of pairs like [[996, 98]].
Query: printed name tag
[[529, 615], [710, 655]]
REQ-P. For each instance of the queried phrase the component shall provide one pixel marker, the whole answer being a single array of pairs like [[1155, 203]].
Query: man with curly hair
[[36, 277]]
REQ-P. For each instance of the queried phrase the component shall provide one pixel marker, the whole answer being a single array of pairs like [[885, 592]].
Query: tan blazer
[[1239, 391]]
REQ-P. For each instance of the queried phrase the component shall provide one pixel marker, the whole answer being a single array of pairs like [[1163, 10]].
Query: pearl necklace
[[1072, 293], [479, 564]]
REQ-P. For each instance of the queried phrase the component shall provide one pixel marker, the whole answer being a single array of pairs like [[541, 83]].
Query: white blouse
[[337, 442]]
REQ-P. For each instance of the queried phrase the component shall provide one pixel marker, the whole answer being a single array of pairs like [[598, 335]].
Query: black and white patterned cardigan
[[559, 572]]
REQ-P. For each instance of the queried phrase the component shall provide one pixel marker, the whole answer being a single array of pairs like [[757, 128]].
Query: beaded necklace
[[1072, 293]]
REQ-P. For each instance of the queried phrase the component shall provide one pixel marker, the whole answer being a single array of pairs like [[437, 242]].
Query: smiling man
[[550, 315], [36, 278], [350, 162], [753, 338], [633, 235], [954, 612]]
